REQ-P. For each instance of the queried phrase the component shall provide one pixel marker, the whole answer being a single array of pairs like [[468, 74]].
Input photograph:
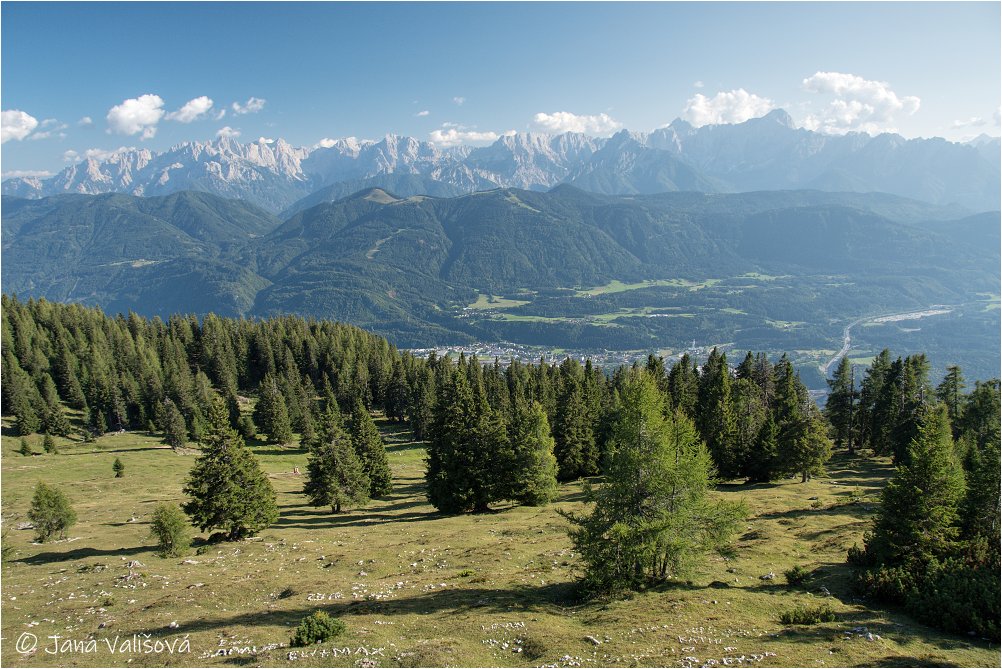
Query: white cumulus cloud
[[16, 124], [560, 122], [458, 100], [137, 116], [100, 155], [265, 140], [252, 106], [454, 137], [325, 143], [193, 110], [423, 113], [226, 132], [973, 122], [735, 106], [858, 104], [86, 120]]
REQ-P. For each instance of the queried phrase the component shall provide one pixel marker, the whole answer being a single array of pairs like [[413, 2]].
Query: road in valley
[[847, 332]]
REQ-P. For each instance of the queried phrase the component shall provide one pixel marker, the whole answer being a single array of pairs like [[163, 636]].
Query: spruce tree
[[335, 476], [175, 431], [652, 520], [840, 409], [370, 450], [271, 414], [716, 419], [951, 393], [534, 479], [575, 448], [49, 444], [808, 447], [118, 467], [227, 488], [762, 463], [917, 521]]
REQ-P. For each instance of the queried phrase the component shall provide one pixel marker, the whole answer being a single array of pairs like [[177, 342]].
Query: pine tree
[[49, 444], [652, 520], [534, 479], [227, 488], [175, 431], [335, 476], [370, 450], [118, 467], [397, 393], [55, 421]]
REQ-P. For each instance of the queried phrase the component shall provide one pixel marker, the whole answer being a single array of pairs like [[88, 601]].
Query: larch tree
[[652, 519]]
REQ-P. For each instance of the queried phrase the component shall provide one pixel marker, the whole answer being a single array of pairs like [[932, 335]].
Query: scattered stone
[[190, 562], [133, 564], [768, 577], [196, 585], [812, 499], [173, 625], [824, 591], [25, 525], [593, 640]]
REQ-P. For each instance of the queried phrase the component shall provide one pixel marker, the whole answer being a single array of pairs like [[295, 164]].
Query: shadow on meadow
[[544, 598]]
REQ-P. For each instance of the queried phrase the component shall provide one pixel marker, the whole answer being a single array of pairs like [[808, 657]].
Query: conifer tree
[[808, 447], [55, 421], [468, 448], [534, 479], [50, 513], [271, 415], [118, 467], [49, 444], [370, 450], [917, 521], [951, 393], [840, 409], [574, 448], [762, 463], [175, 431], [227, 488], [716, 420], [683, 385], [335, 476], [397, 393], [652, 520]]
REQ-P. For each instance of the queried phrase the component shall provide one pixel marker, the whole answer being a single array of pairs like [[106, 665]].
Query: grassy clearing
[[495, 302], [419, 589], [616, 286]]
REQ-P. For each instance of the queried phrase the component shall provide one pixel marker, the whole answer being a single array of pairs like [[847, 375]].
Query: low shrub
[[316, 628], [797, 576], [803, 615]]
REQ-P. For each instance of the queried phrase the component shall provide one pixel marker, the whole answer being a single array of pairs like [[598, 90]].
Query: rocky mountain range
[[767, 153]]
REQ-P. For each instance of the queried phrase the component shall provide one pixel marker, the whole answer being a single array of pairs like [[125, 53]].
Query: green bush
[[118, 467], [797, 576], [171, 529], [49, 444], [316, 628], [803, 615], [50, 513]]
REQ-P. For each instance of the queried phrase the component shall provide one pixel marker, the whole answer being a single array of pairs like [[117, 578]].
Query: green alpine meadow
[[558, 335]]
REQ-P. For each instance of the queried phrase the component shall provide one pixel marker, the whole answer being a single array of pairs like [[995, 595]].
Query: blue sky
[[155, 74]]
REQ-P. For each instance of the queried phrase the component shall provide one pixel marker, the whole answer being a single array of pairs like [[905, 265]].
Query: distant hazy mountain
[[766, 153], [406, 267]]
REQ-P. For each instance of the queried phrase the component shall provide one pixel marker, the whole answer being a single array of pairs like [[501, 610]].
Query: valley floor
[[419, 589]]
